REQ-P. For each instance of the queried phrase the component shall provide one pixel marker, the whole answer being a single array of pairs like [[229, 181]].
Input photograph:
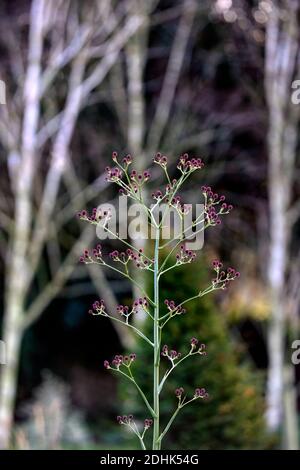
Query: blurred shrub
[[233, 416], [51, 421]]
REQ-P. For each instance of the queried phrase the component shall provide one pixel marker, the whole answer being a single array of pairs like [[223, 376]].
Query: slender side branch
[[131, 378], [174, 365], [129, 326]]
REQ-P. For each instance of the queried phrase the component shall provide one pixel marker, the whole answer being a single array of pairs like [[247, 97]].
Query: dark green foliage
[[233, 416]]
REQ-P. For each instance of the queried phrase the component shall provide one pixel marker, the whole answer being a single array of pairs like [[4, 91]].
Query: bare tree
[[63, 36], [281, 65]]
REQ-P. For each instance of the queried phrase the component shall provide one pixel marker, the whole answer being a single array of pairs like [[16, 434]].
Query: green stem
[[156, 340]]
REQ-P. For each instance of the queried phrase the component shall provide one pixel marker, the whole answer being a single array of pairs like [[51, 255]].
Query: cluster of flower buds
[[173, 308], [129, 420], [98, 308], [182, 209], [226, 208], [123, 310], [126, 160], [137, 180], [119, 361], [175, 201], [170, 187], [90, 257], [217, 265], [189, 165], [138, 304], [223, 277], [125, 192], [157, 195], [126, 419], [122, 257], [140, 178], [168, 190], [84, 215], [185, 256], [113, 175], [86, 257], [211, 197], [201, 393], [212, 215], [96, 216], [179, 392], [148, 423], [139, 259], [196, 348], [161, 160], [170, 354]]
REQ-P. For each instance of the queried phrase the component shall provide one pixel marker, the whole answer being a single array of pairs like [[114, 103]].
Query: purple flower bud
[[161, 160], [148, 423], [179, 392], [200, 392]]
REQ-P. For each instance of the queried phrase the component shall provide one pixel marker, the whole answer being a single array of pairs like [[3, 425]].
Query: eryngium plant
[[131, 184]]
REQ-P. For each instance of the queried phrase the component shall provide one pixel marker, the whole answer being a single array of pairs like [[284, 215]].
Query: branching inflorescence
[[131, 184]]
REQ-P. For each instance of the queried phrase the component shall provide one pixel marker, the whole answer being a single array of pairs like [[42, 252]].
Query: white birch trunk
[[281, 59], [12, 334], [17, 265]]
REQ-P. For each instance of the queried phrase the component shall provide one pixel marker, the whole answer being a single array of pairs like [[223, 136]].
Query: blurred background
[[212, 78]]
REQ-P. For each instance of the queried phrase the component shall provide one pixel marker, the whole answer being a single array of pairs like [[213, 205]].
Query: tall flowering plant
[[158, 262]]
